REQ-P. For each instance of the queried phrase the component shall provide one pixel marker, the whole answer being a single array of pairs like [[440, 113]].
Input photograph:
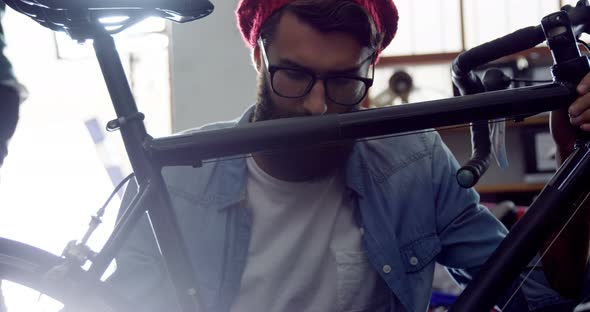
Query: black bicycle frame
[[152, 195], [148, 156]]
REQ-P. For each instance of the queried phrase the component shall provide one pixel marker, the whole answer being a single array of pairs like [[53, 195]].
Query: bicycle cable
[[96, 220], [101, 211]]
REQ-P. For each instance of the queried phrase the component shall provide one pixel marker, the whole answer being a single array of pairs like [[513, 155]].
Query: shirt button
[[386, 269], [414, 261]]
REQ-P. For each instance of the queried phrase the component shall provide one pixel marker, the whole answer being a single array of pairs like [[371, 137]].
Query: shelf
[[530, 121], [510, 188]]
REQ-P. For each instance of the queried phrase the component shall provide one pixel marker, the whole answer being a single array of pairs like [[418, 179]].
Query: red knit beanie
[[251, 14]]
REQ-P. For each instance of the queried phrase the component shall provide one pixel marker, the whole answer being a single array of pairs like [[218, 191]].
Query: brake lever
[[494, 79]]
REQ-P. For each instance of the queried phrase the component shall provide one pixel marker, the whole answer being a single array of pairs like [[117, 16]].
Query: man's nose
[[315, 102]]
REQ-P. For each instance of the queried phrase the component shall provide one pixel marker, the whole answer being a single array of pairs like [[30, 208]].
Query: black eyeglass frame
[[272, 69]]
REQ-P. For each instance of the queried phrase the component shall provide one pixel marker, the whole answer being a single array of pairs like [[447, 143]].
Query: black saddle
[[77, 17]]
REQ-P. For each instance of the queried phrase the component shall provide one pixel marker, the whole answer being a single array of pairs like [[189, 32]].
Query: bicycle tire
[[40, 270]]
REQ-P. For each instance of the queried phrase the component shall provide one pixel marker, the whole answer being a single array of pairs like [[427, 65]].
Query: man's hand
[[564, 123]]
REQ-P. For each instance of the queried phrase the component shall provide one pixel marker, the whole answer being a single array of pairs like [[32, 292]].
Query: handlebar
[[561, 31], [468, 82]]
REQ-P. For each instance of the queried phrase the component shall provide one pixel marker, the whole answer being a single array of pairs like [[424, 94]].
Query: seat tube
[[132, 129], [136, 140]]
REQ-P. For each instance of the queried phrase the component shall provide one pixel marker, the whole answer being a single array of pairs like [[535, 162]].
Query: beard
[[298, 163]]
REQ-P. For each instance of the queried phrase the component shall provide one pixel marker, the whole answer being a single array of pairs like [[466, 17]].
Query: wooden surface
[[510, 188]]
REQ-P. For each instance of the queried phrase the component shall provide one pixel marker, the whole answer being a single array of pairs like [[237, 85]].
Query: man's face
[[298, 45]]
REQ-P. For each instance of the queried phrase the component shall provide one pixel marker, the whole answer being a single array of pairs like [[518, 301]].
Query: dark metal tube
[[133, 132], [286, 133], [163, 218], [469, 108], [172, 246]]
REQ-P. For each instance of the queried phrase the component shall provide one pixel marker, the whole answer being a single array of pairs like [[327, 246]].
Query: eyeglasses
[[293, 83]]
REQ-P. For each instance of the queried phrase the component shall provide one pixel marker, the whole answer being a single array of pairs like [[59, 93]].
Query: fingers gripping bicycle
[[148, 156]]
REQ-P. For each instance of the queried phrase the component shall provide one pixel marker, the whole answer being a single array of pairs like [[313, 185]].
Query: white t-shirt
[[305, 252]]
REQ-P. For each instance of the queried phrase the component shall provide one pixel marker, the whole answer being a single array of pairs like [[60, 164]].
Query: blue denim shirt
[[409, 204]]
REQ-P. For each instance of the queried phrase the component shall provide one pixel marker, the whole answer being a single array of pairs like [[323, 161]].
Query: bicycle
[[62, 277]]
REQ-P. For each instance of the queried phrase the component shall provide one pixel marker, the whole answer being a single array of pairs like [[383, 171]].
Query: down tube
[[548, 212], [172, 247]]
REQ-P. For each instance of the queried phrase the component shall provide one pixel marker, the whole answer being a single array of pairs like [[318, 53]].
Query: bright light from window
[[55, 178], [28, 300], [112, 28], [113, 19]]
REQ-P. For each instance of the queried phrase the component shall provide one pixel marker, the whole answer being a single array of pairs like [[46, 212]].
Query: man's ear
[[256, 59]]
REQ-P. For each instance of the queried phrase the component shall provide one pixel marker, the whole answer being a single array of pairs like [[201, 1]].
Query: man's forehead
[[298, 42]]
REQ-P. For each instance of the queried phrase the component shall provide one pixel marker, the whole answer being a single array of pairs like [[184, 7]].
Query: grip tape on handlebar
[[468, 83], [468, 175], [517, 41], [471, 172]]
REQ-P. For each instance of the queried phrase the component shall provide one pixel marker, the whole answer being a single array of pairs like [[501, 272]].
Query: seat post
[[129, 120]]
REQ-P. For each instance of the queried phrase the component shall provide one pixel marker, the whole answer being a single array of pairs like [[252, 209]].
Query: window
[[432, 33], [428, 26], [487, 20], [441, 26], [56, 168]]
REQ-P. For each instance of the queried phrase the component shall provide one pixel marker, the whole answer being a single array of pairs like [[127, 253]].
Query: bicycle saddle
[[76, 17]]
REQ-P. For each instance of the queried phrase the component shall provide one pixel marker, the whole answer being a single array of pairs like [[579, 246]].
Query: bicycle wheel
[[43, 272]]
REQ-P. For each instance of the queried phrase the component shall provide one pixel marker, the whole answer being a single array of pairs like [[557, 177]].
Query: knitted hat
[[251, 14]]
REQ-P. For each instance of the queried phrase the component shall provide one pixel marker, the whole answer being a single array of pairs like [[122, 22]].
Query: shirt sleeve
[[469, 234]]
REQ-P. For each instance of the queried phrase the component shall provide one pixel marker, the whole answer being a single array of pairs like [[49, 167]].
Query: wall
[[211, 73], [459, 141]]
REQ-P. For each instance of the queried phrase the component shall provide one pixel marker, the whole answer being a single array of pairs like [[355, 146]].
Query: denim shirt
[[410, 207]]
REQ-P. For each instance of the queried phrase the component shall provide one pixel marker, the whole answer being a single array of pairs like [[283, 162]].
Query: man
[[353, 227]]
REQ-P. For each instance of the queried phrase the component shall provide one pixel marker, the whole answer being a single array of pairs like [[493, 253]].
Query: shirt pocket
[[418, 254], [358, 286]]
